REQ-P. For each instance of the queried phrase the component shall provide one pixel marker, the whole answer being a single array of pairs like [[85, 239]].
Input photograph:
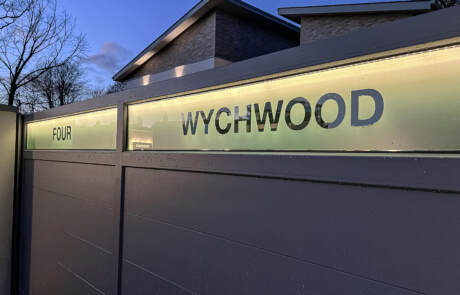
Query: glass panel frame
[[93, 130], [405, 103]]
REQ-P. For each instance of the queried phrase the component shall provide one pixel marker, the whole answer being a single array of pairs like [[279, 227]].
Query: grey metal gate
[[164, 222]]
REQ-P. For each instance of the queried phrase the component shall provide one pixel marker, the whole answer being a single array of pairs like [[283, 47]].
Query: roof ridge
[[186, 21]]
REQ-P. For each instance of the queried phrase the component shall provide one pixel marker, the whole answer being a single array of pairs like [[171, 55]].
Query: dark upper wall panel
[[328, 26], [322, 22], [380, 8], [193, 45], [239, 38]]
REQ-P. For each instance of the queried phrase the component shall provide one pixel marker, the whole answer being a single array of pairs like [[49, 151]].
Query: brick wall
[[195, 44], [223, 35]]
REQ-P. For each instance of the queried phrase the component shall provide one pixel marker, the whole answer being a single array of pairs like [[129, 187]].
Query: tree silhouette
[[38, 41]]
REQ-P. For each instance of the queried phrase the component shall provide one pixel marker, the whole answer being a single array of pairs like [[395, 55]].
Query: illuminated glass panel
[[405, 103], [89, 131]]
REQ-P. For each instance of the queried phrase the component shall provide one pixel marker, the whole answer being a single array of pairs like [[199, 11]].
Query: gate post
[[8, 169]]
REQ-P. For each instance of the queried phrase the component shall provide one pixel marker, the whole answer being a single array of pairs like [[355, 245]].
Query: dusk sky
[[117, 30]]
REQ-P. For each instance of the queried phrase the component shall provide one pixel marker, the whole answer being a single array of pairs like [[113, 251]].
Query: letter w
[[193, 125], [268, 111]]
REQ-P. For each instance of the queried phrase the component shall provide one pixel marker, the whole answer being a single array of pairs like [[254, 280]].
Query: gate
[[118, 220]]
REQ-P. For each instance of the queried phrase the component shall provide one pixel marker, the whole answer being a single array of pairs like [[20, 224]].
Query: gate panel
[[72, 229], [208, 233]]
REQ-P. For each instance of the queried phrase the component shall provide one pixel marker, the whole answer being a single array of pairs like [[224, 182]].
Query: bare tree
[[11, 10], [440, 4], [116, 87], [97, 92], [31, 100], [69, 84], [38, 41], [43, 89], [59, 85], [101, 91]]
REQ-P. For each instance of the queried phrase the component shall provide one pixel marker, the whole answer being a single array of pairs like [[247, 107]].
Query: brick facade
[[194, 45], [223, 35]]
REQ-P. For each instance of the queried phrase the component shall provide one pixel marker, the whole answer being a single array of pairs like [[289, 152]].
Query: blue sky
[[117, 30]]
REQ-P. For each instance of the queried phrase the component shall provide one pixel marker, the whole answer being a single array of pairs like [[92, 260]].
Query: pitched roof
[[197, 12], [294, 13]]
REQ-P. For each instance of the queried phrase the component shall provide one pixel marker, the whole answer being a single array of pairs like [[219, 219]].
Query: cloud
[[111, 57]]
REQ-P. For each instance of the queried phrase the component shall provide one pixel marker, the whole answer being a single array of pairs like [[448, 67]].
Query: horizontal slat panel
[[435, 172], [382, 234], [415, 171], [70, 283], [72, 228], [87, 261], [86, 157], [203, 264], [142, 282], [83, 220], [91, 183]]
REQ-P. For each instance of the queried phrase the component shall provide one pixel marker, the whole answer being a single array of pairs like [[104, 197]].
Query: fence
[[148, 191]]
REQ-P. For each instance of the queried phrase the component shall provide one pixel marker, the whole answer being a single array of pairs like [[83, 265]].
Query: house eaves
[[191, 17], [295, 13]]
